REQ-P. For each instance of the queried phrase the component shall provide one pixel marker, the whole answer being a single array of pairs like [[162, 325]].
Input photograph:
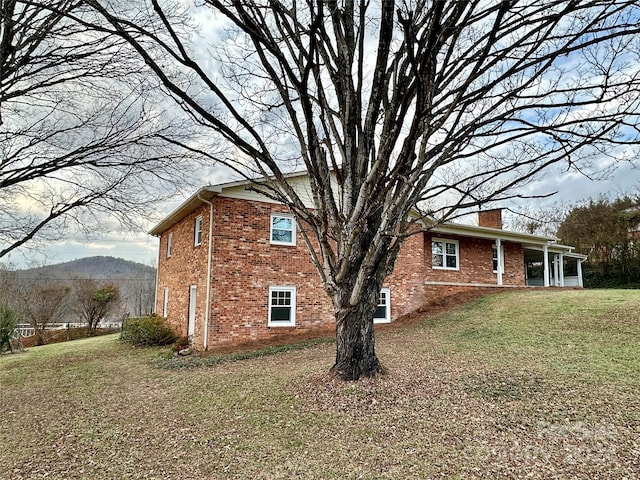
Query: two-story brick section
[[233, 268]]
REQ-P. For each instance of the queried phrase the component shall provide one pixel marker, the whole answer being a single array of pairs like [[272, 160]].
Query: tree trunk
[[39, 334], [355, 343]]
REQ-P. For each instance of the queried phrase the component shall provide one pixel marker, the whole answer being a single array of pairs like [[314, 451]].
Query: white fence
[[26, 330]]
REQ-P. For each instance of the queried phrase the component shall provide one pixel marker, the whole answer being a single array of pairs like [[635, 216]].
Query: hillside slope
[[97, 268]]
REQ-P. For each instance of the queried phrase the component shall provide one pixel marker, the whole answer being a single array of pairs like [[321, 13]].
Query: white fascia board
[[491, 233], [556, 248]]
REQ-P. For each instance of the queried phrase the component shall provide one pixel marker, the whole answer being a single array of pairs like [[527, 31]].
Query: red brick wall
[[490, 218], [185, 267], [476, 265], [245, 265], [406, 281]]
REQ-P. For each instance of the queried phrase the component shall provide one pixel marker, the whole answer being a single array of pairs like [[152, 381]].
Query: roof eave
[[487, 232], [185, 208]]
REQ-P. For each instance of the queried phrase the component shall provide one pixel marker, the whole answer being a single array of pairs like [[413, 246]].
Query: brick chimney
[[490, 218]]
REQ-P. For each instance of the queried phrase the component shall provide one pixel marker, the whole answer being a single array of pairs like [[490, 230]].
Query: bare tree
[[94, 302], [139, 294], [537, 220], [41, 304], [80, 128], [403, 113]]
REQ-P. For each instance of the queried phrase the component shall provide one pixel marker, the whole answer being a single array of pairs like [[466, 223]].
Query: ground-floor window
[[282, 306], [445, 254], [383, 312]]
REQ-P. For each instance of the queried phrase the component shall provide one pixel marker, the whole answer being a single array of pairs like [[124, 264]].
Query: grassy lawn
[[528, 384]]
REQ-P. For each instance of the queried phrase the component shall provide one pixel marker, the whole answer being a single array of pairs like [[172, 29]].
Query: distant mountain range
[[97, 268]]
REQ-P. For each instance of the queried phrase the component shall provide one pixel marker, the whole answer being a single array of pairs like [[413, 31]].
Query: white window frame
[[165, 302], [293, 229], [197, 231], [387, 318], [494, 257], [169, 244], [444, 242], [292, 319]]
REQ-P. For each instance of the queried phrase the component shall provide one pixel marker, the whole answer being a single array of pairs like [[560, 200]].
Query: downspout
[[207, 307]]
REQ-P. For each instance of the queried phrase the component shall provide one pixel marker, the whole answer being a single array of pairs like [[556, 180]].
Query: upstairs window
[[445, 254], [169, 244], [283, 230], [197, 231], [282, 306]]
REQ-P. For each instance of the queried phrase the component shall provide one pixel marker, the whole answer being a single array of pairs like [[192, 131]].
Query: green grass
[[536, 384], [588, 334]]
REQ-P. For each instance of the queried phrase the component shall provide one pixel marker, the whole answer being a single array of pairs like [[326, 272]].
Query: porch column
[[500, 260], [580, 284], [555, 270], [561, 268], [546, 265]]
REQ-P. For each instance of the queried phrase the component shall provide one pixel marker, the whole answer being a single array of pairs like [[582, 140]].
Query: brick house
[[233, 269]]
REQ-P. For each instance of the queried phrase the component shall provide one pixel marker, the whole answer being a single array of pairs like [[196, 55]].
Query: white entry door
[[191, 329]]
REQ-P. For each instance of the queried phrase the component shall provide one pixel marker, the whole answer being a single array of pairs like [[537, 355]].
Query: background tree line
[[608, 231], [53, 295]]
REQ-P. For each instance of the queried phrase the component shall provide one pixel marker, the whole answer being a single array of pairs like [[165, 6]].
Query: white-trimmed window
[[197, 231], [169, 244], [165, 302], [283, 229], [495, 258], [445, 254], [383, 312], [282, 306]]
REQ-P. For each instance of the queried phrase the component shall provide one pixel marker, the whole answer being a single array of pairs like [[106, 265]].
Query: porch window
[[445, 254], [495, 259], [283, 230], [282, 306], [383, 312]]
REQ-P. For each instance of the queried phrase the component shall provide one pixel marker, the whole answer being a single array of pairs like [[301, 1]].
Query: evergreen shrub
[[148, 332], [8, 323]]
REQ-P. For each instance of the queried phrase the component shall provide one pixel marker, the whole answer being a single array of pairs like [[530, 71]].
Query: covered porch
[[552, 266]]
